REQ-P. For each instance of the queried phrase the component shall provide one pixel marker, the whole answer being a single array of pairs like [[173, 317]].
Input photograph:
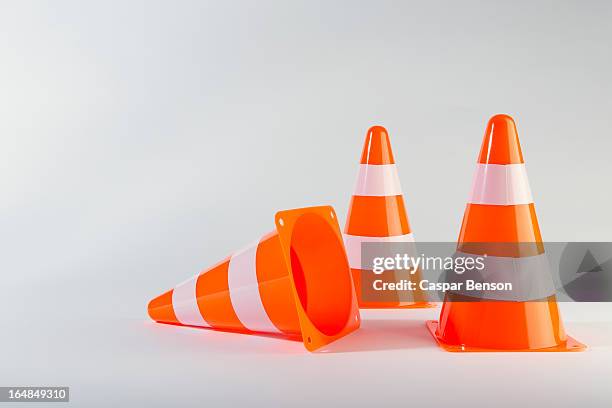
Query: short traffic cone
[[377, 215], [294, 282], [500, 221]]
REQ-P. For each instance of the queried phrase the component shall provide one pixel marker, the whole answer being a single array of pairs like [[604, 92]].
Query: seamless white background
[[142, 141]]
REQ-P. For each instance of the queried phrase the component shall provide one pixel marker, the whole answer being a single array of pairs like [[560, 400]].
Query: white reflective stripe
[[378, 180], [185, 303], [500, 184], [352, 243], [530, 277], [244, 291]]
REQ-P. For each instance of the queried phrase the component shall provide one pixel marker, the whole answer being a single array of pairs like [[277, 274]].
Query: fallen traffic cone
[[500, 221], [377, 215], [294, 282]]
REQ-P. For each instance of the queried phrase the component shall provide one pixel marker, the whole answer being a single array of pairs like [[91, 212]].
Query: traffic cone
[[293, 282], [500, 221], [377, 215]]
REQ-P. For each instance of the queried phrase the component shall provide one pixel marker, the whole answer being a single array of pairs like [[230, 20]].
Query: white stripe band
[[378, 180], [529, 276], [499, 184], [352, 243], [244, 291], [185, 303]]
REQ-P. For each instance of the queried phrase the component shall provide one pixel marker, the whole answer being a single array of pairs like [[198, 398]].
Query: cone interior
[[317, 256]]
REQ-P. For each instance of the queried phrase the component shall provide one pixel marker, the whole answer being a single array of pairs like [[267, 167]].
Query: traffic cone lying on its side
[[500, 221], [377, 215], [295, 282]]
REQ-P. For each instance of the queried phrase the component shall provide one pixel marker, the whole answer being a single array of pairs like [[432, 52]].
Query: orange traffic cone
[[294, 282], [377, 215], [500, 221]]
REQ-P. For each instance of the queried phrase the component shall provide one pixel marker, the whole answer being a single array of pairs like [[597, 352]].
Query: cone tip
[[160, 308], [377, 147], [502, 118], [501, 143], [151, 308], [377, 131]]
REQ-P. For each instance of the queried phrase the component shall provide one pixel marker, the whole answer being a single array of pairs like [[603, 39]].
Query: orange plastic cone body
[[377, 214], [294, 282], [501, 210]]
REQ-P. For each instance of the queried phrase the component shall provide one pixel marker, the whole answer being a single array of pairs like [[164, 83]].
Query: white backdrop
[[141, 141]]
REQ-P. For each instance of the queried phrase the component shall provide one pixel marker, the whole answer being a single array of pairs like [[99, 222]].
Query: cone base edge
[[570, 345]]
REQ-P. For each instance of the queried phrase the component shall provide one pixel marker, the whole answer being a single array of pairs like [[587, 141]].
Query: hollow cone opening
[[317, 256]]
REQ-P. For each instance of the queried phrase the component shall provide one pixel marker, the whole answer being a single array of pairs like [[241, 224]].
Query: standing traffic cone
[[377, 215], [294, 281], [500, 221]]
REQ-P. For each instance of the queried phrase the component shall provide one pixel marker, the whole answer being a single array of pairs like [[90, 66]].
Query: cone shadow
[[387, 334], [196, 341], [279, 336]]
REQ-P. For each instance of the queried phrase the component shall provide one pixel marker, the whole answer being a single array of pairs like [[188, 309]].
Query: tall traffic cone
[[294, 282], [377, 215], [500, 221]]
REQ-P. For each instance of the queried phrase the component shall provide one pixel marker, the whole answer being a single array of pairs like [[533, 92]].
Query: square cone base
[[320, 222], [570, 344]]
